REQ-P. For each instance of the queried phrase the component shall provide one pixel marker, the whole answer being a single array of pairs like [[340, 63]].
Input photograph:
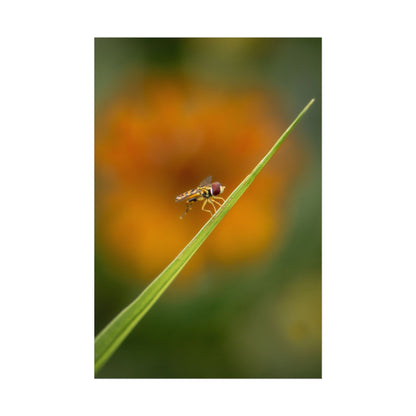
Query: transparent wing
[[206, 181]]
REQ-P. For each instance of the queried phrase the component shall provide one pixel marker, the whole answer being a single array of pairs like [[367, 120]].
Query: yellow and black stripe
[[198, 193]]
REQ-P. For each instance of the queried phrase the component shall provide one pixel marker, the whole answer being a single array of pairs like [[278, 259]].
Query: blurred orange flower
[[162, 138]]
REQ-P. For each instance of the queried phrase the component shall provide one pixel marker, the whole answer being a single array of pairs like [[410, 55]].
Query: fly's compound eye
[[217, 188]]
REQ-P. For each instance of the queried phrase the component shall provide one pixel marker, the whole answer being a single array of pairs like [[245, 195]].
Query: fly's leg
[[209, 200], [206, 210], [188, 207], [213, 200], [218, 197]]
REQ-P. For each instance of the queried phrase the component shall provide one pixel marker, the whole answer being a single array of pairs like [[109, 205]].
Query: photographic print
[[207, 207]]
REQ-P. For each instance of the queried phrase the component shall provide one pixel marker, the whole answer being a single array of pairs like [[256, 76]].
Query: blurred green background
[[169, 112]]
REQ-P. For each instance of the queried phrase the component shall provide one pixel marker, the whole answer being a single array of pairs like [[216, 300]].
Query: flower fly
[[205, 191]]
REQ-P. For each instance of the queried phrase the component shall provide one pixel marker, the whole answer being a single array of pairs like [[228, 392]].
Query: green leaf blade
[[110, 338]]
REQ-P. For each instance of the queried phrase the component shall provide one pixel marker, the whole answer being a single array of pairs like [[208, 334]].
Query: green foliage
[[108, 340]]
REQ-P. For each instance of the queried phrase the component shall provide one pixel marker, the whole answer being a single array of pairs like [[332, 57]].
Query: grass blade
[[108, 340]]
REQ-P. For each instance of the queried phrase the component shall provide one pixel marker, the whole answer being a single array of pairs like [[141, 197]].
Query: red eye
[[215, 188]]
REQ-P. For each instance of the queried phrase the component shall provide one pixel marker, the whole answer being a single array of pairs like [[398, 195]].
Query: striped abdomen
[[194, 194]]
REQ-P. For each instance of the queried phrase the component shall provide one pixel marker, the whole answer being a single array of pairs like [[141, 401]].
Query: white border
[[368, 208]]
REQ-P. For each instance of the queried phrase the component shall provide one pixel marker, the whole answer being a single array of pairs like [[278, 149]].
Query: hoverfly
[[205, 191]]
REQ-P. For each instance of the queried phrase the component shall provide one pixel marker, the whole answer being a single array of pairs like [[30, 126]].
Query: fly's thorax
[[216, 188]]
